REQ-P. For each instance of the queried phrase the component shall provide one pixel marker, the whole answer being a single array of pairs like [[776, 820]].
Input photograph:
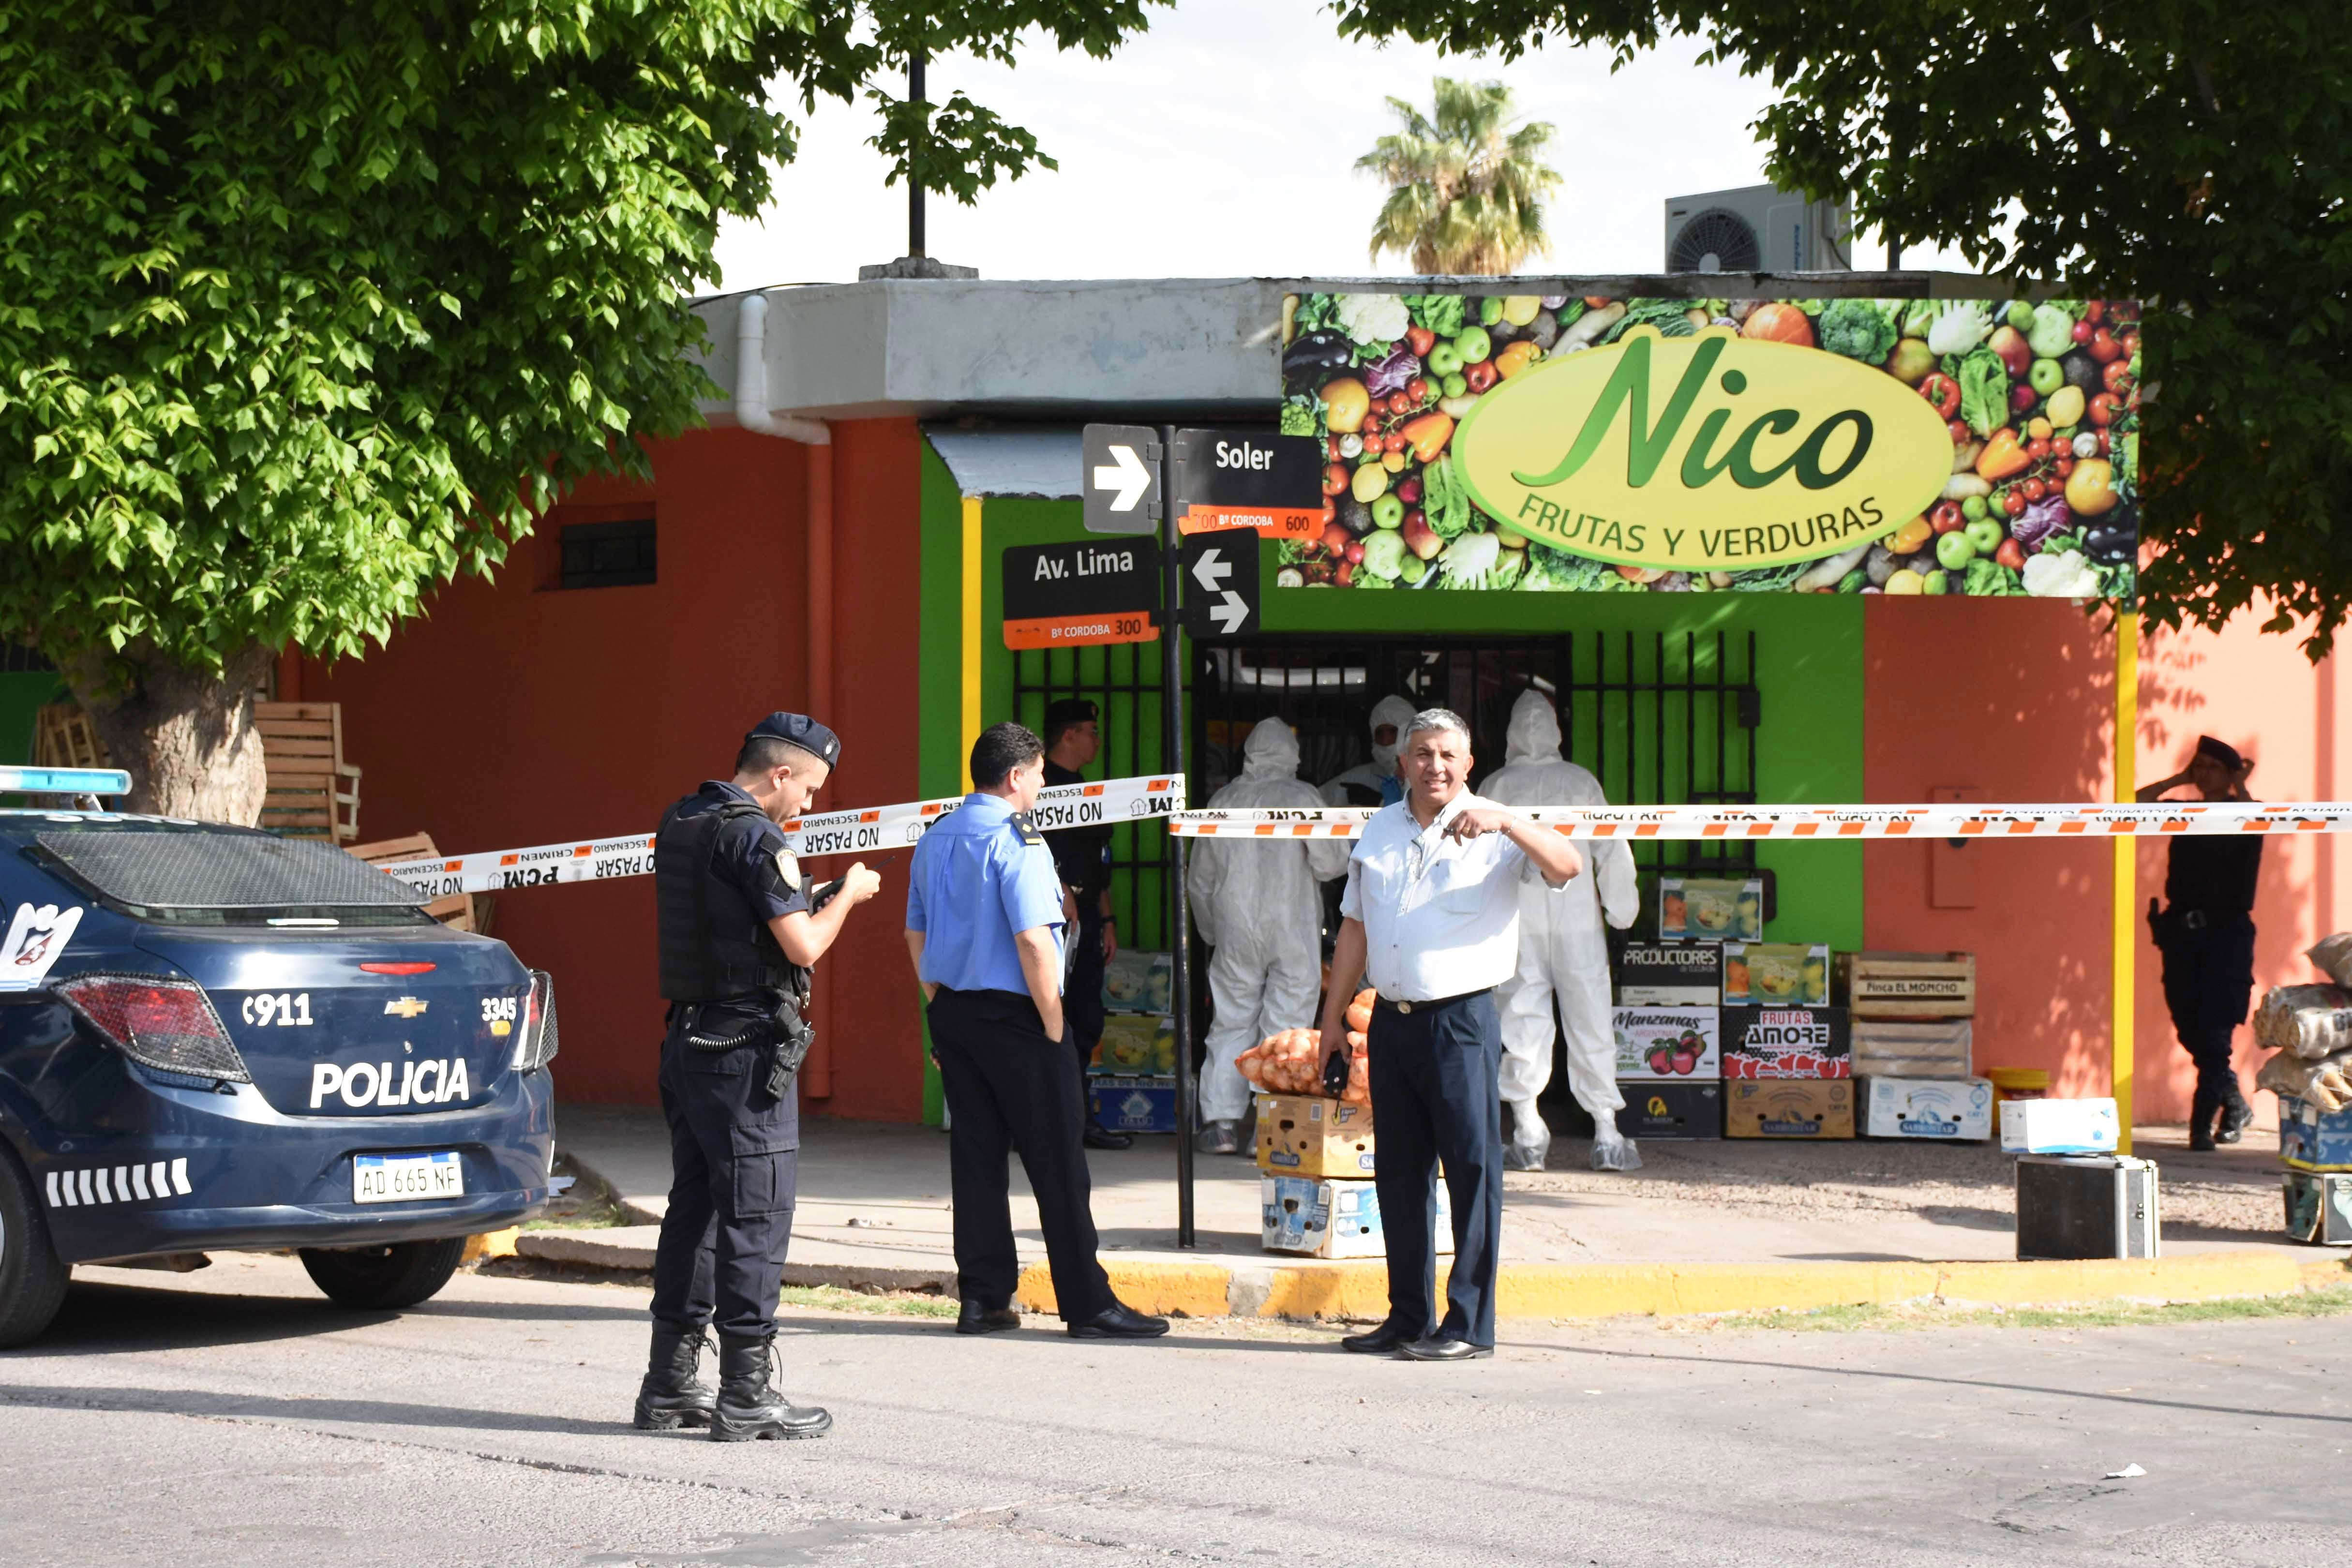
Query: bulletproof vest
[[712, 946]]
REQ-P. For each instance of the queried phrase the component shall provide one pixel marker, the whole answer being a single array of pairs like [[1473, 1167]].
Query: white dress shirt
[[1441, 916]]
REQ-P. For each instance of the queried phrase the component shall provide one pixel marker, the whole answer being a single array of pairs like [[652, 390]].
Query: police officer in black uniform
[[1082, 859], [2206, 934], [739, 929]]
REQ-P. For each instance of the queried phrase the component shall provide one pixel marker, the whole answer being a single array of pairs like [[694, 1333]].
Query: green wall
[[20, 696]]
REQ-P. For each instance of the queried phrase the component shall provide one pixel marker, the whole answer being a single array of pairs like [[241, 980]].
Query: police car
[[215, 1039]]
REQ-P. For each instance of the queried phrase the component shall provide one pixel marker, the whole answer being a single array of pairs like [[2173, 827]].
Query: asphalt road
[[231, 1417]]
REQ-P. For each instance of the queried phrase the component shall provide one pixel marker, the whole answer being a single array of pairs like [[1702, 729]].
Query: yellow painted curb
[[1162, 1290], [496, 1244]]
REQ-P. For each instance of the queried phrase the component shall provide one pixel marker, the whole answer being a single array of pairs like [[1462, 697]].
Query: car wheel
[[32, 1280], [400, 1275]]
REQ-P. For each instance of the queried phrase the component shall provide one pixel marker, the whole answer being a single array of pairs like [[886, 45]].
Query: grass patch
[[589, 1206], [895, 1304], [2334, 1301]]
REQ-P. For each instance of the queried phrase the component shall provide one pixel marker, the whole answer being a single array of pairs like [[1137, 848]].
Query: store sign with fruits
[[1546, 443]]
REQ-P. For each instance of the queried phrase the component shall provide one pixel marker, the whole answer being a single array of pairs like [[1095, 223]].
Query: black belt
[[2199, 919], [1401, 1005]]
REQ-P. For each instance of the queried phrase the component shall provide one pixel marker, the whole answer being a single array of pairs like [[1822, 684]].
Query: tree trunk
[[186, 737]]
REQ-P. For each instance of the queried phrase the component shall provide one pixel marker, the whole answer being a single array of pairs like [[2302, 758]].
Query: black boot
[[2200, 1121], [749, 1405], [2235, 1115], [670, 1397]]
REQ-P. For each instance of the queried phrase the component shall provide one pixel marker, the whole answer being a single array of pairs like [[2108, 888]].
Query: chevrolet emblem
[[406, 1008]]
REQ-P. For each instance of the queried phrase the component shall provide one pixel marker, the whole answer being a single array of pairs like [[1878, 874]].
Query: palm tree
[[1467, 186]]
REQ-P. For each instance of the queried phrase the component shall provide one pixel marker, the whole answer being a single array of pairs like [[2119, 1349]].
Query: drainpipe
[[753, 413]]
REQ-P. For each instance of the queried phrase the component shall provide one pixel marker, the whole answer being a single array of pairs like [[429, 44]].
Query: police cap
[[1067, 711], [799, 730], [2220, 751]]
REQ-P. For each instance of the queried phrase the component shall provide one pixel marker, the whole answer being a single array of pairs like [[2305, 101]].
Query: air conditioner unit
[[1757, 229]]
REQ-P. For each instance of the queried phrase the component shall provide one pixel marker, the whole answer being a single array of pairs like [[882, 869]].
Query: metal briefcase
[[2086, 1205]]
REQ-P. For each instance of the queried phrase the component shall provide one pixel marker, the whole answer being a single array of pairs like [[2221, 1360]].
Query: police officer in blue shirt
[[739, 929], [984, 927]]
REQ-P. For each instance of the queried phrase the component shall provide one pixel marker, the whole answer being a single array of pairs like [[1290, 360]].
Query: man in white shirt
[[1431, 919]]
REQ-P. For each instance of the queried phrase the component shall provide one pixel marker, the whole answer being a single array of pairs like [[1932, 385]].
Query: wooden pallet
[[457, 911], [62, 738], [312, 792]]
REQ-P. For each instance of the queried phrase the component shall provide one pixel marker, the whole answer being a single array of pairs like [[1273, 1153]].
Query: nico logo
[[1706, 452]]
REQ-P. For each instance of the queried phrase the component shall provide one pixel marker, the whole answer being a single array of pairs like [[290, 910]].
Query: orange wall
[[2014, 700], [513, 713]]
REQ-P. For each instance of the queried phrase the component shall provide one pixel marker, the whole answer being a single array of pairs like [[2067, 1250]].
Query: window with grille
[[608, 555]]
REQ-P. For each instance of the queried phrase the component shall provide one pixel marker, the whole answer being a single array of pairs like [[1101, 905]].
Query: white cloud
[[1221, 143]]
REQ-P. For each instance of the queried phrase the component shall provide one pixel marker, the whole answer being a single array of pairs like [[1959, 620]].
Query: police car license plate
[[406, 1178]]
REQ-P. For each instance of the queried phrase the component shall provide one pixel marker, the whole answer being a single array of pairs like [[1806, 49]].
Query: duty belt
[[1404, 1005]]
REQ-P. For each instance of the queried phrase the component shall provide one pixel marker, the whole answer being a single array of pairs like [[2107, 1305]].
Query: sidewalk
[[1734, 1225]]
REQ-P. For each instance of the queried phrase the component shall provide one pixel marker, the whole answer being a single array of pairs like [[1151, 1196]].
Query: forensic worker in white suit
[[1374, 783], [1563, 954], [1256, 902]]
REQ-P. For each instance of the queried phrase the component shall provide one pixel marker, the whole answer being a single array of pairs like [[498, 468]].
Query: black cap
[[2220, 751], [1071, 710], [799, 730]]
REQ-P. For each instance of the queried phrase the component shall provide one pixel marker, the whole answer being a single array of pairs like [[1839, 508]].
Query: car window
[[199, 876]]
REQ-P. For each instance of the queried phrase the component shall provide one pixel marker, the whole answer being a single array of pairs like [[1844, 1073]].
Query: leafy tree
[[305, 309], [1467, 182], [2188, 155]]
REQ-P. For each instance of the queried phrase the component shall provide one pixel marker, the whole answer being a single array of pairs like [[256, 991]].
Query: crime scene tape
[[1956, 819], [852, 832]]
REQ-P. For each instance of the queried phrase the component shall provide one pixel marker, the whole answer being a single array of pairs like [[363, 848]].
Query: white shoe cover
[[1530, 1143], [1613, 1151]]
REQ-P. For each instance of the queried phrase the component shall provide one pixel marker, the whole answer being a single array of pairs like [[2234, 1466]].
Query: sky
[[1221, 144]]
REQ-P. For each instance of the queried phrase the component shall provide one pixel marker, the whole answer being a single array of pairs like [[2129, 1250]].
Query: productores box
[[1709, 909], [1325, 1218], [1668, 1042], [1136, 981], [1135, 1043], [1787, 1042], [1788, 1108], [1670, 975], [1307, 1134], [1775, 974], [1955, 1109], [1134, 1104]]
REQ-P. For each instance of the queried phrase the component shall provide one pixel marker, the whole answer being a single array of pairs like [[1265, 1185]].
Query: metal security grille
[[1659, 717], [1123, 680]]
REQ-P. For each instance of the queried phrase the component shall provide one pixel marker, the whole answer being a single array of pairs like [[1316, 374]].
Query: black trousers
[[1436, 1095], [1082, 1004], [1010, 1090], [2209, 980], [734, 1158]]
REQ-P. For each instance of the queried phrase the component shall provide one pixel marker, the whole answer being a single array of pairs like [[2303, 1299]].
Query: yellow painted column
[[970, 670], [2125, 979]]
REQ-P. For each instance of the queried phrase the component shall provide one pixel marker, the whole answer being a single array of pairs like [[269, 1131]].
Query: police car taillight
[[165, 1024], [535, 1042]]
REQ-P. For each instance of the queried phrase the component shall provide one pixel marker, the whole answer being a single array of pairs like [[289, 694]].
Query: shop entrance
[[1123, 680]]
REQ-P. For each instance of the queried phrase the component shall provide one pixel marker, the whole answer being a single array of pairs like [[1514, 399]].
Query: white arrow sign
[[1229, 612], [1211, 569], [1125, 475]]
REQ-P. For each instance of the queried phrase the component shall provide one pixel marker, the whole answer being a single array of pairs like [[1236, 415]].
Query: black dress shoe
[[2232, 1125], [1101, 1138], [1386, 1339], [977, 1318], [1437, 1347], [1119, 1321]]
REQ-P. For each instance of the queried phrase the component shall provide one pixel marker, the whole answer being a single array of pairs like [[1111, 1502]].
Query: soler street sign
[[1249, 479]]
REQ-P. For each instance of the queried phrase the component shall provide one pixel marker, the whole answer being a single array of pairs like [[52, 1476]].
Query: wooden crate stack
[[313, 793], [457, 911]]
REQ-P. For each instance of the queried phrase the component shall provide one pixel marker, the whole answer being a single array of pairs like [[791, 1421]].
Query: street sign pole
[[1172, 710]]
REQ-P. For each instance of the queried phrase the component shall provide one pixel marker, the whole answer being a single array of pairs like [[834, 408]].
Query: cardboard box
[[1670, 975], [1668, 1042], [1788, 1108], [1937, 1048], [1669, 1112], [1787, 1042], [1137, 1044], [2060, 1126], [1954, 1110], [1134, 1104], [1710, 909], [1333, 1218], [2318, 1207], [1305, 1135], [1776, 974], [1138, 982], [2310, 1139], [1907, 985]]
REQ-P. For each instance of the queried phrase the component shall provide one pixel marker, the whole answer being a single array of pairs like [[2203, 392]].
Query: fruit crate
[[1907, 985]]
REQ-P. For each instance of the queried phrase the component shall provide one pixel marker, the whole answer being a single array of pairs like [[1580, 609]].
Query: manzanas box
[[1305, 1135], [1788, 1108]]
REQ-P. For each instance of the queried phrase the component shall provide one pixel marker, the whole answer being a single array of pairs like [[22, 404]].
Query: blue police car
[[215, 1039]]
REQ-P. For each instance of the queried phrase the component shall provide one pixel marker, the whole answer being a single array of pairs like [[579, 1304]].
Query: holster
[[2163, 924], [790, 1037]]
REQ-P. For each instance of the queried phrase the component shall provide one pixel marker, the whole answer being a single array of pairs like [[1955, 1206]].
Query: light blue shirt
[[973, 885], [1441, 916]]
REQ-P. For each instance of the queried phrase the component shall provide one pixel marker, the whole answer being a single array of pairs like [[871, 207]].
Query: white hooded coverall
[[1563, 954], [1256, 902], [1393, 711]]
